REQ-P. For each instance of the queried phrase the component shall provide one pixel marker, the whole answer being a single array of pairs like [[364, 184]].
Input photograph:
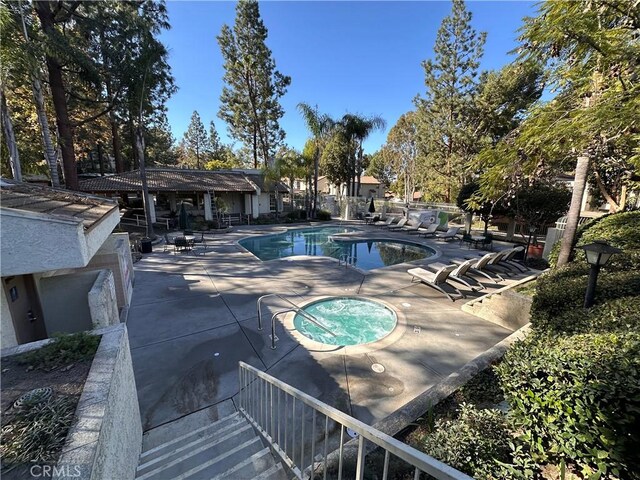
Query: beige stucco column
[[208, 212]]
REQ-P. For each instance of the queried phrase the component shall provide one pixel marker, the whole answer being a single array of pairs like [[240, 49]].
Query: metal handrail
[[269, 414], [295, 308]]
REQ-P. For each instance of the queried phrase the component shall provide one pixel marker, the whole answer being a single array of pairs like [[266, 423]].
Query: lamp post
[[598, 254]]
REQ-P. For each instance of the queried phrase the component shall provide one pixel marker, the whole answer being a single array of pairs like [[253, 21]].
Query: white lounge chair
[[411, 228], [480, 266], [436, 279], [508, 261], [398, 225], [430, 230], [449, 234], [384, 223]]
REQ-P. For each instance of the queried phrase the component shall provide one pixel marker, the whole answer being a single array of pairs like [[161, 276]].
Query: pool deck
[[193, 317]]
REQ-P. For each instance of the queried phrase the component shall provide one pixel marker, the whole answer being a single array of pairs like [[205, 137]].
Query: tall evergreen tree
[[217, 150], [451, 80], [196, 140], [250, 98]]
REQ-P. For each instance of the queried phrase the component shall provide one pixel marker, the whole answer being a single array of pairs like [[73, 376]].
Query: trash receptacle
[[145, 245]]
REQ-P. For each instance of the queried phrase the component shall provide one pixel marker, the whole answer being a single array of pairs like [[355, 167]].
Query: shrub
[[472, 442], [323, 215], [561, 293], [66, 348], [296, 215], [577, 398]]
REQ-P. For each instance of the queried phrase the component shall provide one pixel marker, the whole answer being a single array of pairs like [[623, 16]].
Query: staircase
[[226, 449]]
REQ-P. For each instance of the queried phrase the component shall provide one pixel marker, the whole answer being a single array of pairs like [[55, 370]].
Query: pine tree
[[217, 150], [196, 139], [250, 98], [451, 80]]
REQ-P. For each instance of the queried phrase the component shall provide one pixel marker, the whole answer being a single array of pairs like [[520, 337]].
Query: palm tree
[[359, 128], [319, 126]]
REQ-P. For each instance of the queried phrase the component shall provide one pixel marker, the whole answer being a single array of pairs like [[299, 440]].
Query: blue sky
[[357, 57]]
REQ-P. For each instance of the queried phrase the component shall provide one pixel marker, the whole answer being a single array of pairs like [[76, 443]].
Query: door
[[25, 308]]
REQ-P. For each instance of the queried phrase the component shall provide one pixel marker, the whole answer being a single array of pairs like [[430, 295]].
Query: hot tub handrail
[[295, 308]]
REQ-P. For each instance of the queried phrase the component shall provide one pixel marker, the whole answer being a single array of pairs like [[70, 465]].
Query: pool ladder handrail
[[293, 308]]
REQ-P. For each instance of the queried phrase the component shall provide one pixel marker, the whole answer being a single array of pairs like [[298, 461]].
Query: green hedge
[[560, 295], [473, 443], [577, 398]]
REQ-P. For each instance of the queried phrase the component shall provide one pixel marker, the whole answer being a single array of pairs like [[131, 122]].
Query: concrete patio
[[193, 317]]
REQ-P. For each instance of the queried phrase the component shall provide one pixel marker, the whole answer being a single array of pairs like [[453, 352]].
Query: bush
[[323, 215], [297, 215], [65, 349], [561, 293], [577, 398], [471, 443]]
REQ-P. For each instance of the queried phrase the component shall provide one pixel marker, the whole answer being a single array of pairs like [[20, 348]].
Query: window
[[272, 202]]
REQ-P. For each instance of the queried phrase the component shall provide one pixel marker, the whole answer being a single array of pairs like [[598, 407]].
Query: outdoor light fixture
[[598, 254]]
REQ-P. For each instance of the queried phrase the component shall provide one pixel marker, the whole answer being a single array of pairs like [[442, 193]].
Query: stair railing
[[280, 414], [293, 308]]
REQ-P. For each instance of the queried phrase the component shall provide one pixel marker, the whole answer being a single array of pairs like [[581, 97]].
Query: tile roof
[[176, 180], [368, 179], [51, 201]]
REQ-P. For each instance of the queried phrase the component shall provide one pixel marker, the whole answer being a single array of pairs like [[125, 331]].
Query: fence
[[300, 430]]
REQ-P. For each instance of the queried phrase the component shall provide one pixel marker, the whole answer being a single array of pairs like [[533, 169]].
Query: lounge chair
[[480, 266], [508, 259], [430, 230], [384, 223], [449, 234], [461, 274], [436, 279], [398, 225], [411, 228]]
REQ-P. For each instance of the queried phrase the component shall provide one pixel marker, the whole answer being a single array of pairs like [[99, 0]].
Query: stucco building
[[62, 268]]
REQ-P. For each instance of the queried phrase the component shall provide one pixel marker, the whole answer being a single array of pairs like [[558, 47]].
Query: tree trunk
[[12, 146], [38, 98], [580, 180], [117, 144], [56, 83], [145, 186], [316, 169]]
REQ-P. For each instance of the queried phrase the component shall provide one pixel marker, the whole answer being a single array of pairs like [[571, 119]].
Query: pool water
[[366, 255], [354, 321]]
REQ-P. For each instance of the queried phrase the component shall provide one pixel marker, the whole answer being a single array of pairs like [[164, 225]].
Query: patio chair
[[411, 228], [201, 240], [449, 234], [168, 243], [508, 261], [384, 223], [398, 225], [436, 279], [181, 244], [430, 230], [487, 243], [479, 266], [461, 274]]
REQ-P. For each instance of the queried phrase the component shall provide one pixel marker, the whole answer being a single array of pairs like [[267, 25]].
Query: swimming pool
[[316, 241], [354, 321]]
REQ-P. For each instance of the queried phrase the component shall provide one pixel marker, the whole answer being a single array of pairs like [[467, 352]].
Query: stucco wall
[[64, 300], [102, 301], [106, 437], [116, 256], [33, 242], [7, 332]]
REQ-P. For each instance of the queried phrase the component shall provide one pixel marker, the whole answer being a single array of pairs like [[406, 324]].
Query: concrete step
[[220, 427], [199, 452], [207, 469], [250, 467], [167, 432], [276, 472]]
